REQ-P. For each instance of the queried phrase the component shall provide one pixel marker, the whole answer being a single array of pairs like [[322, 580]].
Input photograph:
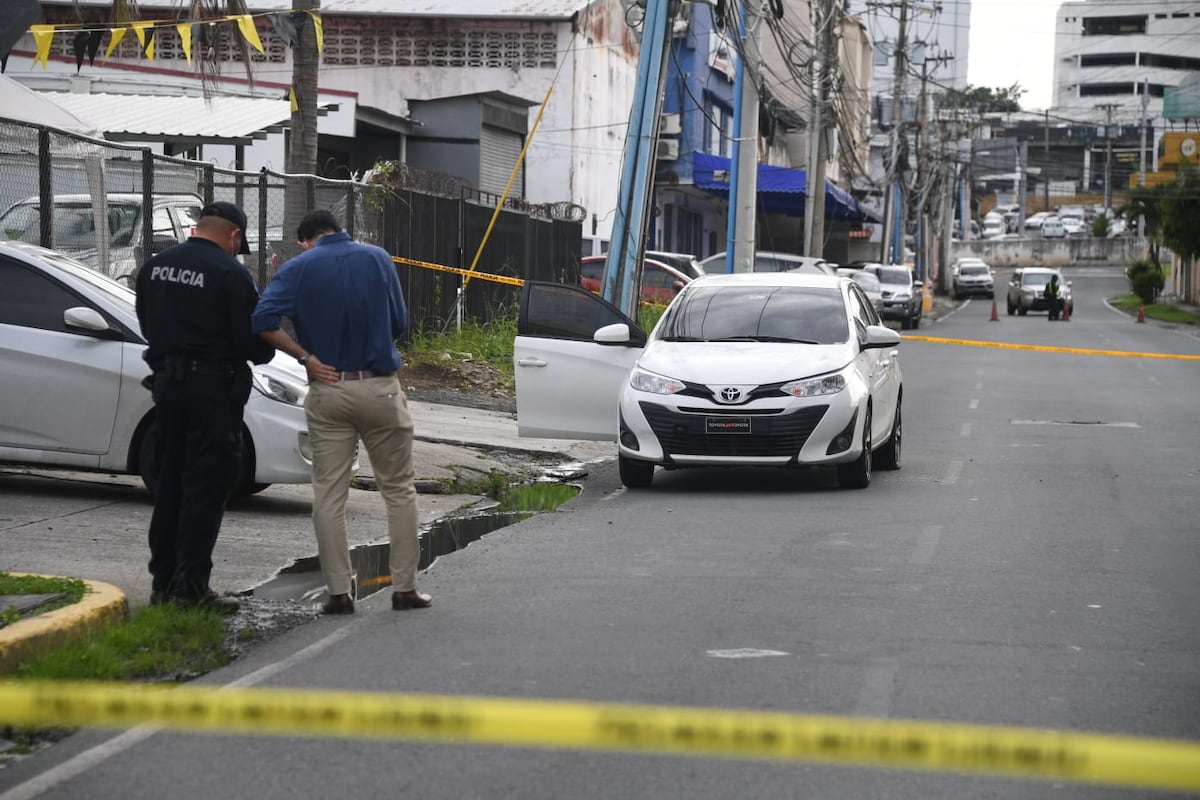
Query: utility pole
[[891, 199], [1142, 145], [742, 226], [1046, 161], [814, 201], [1108, 108], [924, 167]]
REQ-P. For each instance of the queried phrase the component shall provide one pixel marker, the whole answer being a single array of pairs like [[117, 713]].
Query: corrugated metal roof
[[132, 117], [525, 9]]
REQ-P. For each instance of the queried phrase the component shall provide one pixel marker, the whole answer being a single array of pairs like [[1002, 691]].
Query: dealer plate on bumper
[[727, 425]]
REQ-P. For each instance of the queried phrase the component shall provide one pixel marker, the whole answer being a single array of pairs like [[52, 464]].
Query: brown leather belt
[[363, 374]]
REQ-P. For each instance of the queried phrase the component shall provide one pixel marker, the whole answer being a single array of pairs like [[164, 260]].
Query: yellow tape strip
[[933, 746], [1050, 349], [464, 272]]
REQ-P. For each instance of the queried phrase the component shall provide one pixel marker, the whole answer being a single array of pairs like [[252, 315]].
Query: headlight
[[651, 382], [813, 387], [279, 387]]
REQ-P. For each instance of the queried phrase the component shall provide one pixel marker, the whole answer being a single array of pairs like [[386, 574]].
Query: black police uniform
[[194, 304]]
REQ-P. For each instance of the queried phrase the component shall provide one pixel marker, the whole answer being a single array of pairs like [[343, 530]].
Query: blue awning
[[780, 190]]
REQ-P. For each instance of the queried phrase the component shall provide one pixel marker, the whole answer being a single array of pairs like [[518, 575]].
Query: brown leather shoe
[[410, 599], [338, 604]]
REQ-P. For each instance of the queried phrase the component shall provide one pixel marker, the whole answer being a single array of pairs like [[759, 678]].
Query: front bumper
[[279, 434], [676, 431], [969, 289]]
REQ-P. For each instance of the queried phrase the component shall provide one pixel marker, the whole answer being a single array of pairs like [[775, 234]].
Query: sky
[[1012, 41]]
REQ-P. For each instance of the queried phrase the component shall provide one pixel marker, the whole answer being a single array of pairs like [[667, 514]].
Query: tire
[[857, 474], [245, 484], [1011, 308], [1022, 310], [889, 453], [905, 324], [916, 322], [635, 474]]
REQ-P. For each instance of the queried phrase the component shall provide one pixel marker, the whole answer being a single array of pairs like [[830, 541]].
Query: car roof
[[132, 197], [797, 279], [654, 262]]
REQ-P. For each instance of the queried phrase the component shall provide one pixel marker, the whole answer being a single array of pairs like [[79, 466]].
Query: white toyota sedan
[[71, 357], [758, 369]]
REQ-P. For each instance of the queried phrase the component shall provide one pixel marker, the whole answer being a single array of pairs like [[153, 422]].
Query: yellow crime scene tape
[[469, 273], [1051, 348], [931, 746]]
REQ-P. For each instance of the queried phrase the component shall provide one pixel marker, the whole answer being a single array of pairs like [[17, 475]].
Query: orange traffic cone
[[1066, 312], [995, 313], [1141, 313]]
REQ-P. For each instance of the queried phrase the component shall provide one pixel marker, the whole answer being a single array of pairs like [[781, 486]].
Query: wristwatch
[[303, 360]]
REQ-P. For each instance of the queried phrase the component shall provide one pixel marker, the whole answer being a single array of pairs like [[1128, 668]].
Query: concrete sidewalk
[[453, 446]]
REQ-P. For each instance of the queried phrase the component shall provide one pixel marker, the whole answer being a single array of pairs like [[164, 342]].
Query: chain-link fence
[[86, 197]]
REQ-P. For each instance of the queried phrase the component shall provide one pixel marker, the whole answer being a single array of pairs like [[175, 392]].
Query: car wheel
[[1022, 310], [905, 324], [916, 321], [889, 453], [245, 480], [857, 475], [635, 474], [1011, 308]]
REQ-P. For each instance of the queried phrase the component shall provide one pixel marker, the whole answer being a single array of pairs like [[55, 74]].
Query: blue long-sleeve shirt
[[345, 302]]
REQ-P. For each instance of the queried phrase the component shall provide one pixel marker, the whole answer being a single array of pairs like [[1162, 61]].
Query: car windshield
[[866, 280], [894, 275], [1035, 279], [74, 225], [757, 313]]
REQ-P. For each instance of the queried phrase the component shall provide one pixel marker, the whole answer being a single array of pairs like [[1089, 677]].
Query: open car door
[[572, 353]]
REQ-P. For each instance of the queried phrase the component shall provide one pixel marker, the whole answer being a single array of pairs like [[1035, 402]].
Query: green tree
[[1147, 203], [1180, 213], [984, 100]]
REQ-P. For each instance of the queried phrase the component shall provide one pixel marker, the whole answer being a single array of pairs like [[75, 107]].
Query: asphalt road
[[1033, 564]]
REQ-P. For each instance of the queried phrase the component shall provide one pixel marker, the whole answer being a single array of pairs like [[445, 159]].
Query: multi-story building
[[1115, 58]]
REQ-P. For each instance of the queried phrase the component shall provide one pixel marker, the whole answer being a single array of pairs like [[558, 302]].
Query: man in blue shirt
[[345, 302]]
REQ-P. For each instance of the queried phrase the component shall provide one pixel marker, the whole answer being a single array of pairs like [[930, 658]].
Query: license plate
[[727, 425]]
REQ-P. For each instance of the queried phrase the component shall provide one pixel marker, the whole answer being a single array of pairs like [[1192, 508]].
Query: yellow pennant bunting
[[139, 30], [185, 39], [319, 28], [292, 99], [43, 35], [117, 35], [246, 26]]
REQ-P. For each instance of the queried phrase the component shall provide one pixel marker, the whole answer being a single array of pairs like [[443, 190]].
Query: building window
[[1170, 62], [1113, 26], [1109, 60], [1106, 89], [881, 54], [718, 131]]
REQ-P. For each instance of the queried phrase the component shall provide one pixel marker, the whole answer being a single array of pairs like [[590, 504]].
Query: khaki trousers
[[376, 410]]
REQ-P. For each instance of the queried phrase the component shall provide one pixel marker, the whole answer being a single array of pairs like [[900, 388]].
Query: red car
[[660, 282]]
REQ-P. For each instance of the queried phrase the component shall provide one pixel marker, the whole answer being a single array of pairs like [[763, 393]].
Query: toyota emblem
[[731, 394]]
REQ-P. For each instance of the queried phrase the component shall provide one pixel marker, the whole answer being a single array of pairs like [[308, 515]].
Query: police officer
[[1053, 298], [194, 302]]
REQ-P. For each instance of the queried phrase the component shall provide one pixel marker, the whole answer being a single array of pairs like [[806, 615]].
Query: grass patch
[[156, 642], [490, 342], [1162, 312], [537, 497], [73, 588]]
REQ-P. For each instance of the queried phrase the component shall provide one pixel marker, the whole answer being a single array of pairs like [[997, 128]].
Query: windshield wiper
[[784, 339], [681, 339]]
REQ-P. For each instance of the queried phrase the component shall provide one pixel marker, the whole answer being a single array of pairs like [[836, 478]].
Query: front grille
[[683, 434]]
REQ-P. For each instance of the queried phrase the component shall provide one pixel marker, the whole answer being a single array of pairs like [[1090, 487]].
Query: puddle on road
[[302, 580]]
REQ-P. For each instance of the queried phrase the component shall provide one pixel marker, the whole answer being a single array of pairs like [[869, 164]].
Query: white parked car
[[757, 369], [767, 261], [71, 355]]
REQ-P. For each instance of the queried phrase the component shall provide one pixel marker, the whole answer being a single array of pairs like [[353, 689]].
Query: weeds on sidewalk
[[72, 589], [1163, 312]]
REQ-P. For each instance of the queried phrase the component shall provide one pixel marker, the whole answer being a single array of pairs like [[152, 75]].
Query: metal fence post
[[350, 195], [207, 188], [264, 244], [45, 190], [147, 208]]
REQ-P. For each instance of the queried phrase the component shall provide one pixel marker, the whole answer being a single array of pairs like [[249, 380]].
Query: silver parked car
[[71, 355]]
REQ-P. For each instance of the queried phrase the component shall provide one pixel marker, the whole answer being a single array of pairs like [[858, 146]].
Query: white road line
[[974, 403], [965, 430], [76, 766], [875, 699], [951, 477]]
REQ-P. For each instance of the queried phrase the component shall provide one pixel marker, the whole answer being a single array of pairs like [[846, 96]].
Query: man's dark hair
[[315, 222]]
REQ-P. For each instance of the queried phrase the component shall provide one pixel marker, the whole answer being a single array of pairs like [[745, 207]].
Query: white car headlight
[[651, 382], [279, 386], [813, 387]]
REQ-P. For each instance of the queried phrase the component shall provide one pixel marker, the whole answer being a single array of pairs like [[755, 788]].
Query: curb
[[102, 605]]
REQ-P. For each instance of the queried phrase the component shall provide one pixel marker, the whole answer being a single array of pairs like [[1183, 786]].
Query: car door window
[[31, 300], [864, 311], [568, 312], [653, 275], [161, 220]]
